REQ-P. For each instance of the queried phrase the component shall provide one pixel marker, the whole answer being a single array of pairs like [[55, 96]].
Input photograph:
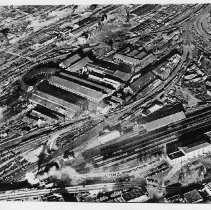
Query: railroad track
[[136, 145]]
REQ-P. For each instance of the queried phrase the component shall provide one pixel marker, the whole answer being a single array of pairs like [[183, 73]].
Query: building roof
[[83, 91], [127, 59], [176, 155], [142, 81], [147, 60], [86, 82], [67, 62], [153, 125], [121, 71], [78, 65], [140, 55], [123, 76], [193, 196], [42, 98], [132, 53], [132, 194], [195, 146]]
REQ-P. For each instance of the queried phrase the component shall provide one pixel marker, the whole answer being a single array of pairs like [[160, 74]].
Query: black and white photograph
[[105, 103]]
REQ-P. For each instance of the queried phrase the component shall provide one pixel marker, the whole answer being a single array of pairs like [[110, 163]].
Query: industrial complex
[[105, 103]]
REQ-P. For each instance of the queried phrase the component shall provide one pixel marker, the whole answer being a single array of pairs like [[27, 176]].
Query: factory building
[[145, 62], [69, 61], [118, 73], [84, 81], [98, 74], [58, 100], [208, 188], [126, 59], [184, 153], [193, 197], [54, 104], [86, 92], [142, 82], [196, 149], [72, 66]]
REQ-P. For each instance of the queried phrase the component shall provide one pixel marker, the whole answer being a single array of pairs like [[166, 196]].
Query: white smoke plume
[[66, 173], [30, 177], [2, 109]]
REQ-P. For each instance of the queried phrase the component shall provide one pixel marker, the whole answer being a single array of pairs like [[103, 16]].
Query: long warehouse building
[[156, 124], [86, 92]]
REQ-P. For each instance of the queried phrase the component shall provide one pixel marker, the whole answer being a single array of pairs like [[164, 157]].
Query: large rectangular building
[[156, 124], [54, 103], [78, 65], [95, 85], [69, 61], [142, 82], [86, 92], [127, 59], [121, 72]]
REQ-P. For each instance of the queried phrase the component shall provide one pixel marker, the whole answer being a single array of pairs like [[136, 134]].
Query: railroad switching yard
[[105, 103]]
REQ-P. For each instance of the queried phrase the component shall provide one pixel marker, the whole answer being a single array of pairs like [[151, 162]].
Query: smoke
[[30, 177], [67, 174], [2, 109]]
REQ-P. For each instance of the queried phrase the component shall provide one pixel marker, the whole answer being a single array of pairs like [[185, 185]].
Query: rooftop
[[153, 125], [67, 62], [142, 81], [77, 89], [127, 59], [193, 196], [176, 155], [195, 146], [40, 96], [79, 64]]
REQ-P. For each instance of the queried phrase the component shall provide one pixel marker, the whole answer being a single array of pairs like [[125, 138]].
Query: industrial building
[[72, 64], [188, 152], [58, 100], [145, 62], [52, 103], [193, 197], [142, 82], [126, 59], [86, 92], [69, 61], [208, 188], [119, 73]]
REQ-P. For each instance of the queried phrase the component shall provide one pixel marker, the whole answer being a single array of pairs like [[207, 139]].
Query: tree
[[127, 15], [5, 32], [104, 16]]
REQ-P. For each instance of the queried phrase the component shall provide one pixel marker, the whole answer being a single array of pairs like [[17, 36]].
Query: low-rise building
[[86, 92], [78, 65], [156, 124], [196, 149], [184, 153], [193, 197], [142, 82], [135, 195], [69, 61], [208, 188], [126, 59]]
